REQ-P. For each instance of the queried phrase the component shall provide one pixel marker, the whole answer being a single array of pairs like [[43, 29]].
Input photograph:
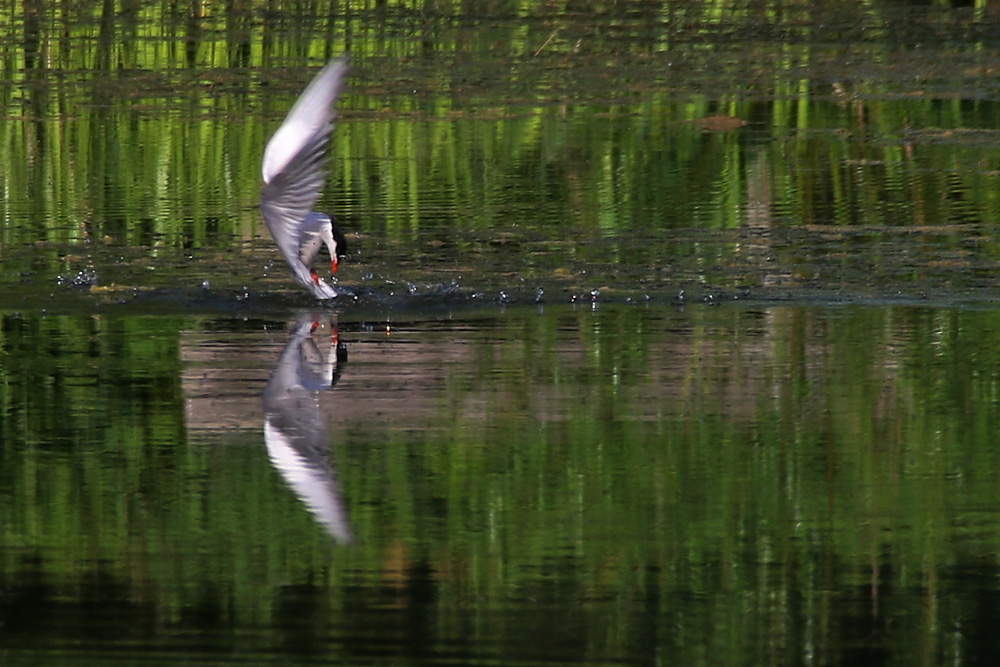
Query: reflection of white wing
[[294, 430], [312, 484]]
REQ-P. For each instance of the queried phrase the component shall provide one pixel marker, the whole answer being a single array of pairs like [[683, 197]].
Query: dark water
[[612, 485], [667, 336]]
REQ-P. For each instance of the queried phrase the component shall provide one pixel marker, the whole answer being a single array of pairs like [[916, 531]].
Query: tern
[[293, 173]]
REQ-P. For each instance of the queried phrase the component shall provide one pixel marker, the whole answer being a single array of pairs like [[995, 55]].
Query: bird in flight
[[293, 173]]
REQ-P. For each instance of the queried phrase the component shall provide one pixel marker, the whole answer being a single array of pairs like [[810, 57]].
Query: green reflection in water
[[516, 122], [605, 485]]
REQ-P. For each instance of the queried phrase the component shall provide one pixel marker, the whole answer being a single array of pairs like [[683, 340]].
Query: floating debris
[[720, 123]]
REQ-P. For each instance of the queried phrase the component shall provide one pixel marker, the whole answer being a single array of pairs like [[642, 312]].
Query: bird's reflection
[[294, 429]]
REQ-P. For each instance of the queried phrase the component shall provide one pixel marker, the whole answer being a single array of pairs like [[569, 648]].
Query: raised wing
[[293, 172], [312, 115]]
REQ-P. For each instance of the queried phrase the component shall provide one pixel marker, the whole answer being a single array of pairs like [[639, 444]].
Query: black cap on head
[[339, 239]]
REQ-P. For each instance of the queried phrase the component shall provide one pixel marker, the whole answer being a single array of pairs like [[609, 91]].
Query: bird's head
[[336, 243], [320, 230]]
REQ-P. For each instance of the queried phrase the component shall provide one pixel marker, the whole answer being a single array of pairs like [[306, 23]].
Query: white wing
[[292, 169], [312, 115]]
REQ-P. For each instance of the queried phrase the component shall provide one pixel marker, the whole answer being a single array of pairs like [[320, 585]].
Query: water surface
[[668, 335], [613, 485]]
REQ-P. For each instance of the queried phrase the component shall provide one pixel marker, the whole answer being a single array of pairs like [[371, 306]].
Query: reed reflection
[[294, 429]]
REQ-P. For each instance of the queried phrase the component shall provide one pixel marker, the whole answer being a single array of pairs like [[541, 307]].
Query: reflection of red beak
[[315, 277]]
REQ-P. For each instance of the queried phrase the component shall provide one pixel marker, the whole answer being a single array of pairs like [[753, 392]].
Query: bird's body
[[293, 174]]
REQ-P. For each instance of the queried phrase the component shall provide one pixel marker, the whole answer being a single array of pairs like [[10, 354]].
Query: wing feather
[[293, 168]]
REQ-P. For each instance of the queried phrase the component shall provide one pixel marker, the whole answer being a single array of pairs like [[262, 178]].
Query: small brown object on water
[[720, 123]]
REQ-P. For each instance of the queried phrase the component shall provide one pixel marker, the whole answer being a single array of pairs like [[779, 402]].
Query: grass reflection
[[144, 128], [735, 476]]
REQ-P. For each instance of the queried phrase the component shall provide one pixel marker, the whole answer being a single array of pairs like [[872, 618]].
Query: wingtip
[[323, 291], [343, 60], [311, 113]]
